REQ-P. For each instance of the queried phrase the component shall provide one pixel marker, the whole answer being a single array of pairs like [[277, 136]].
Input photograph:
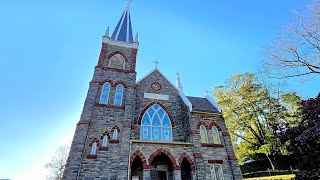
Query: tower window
[[203, 134], [119, 95], [216, 172], [105, 93], [156, 125], [93, 148], [117, 61], [215, 135], [115, 135], [105, 141]]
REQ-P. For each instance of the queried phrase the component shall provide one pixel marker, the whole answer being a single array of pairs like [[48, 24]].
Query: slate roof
[[201, 104], [123, 31]]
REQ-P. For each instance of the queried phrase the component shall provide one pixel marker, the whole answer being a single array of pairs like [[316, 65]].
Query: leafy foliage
[[304, 140], [251, 112]]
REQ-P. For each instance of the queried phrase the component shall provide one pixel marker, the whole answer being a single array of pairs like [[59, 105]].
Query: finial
[[136, 39], [206, 93], [128, 3], [107, 33], [178, 75], [156, 62], [178, 84]]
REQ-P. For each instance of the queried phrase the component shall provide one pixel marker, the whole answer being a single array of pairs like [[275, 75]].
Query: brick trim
[[214, 123], [185, 155], [212, 145], [232, 157], [106, 133], [225, 133], [136, 154], [92, 156], [197, 155], [113, 141], [162, 151], [81, 122], [110, 106], [102, 54], [103, 148], [117, 52], [115, 128], [95, 140], [127, 71], [162, 106], [215, 161], [202, 123], [133, 59]]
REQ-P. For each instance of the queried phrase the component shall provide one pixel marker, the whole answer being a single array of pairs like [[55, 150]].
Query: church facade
[[146, 129]]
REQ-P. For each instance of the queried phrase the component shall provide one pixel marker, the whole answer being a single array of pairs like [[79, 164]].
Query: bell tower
[[102, 137]]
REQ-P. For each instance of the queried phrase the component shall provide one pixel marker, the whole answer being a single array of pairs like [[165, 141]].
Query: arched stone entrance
[[185, 169], [137, 163], [162, 165]]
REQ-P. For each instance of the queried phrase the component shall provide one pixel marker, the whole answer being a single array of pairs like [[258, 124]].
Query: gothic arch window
[[117, 61], [115, 135], [105, 141], [119, 95], [156, 125], [215, 135], [203, 134], [105, 93], [93, 148], [216, 172]]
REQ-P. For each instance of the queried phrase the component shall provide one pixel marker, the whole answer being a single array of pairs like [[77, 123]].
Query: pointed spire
[[136, 39], [178, 83], [107, 33], [123, 31]]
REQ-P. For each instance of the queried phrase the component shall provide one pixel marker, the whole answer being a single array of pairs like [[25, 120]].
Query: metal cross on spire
[[128, 2], [156, 62]]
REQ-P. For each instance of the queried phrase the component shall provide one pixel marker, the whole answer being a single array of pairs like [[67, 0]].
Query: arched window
[[119, 95], [156, 125], [117, 61], [203, 134], [105, 93], [105, 141], [93, 148], [216, 172], [215, 135], [115, 135]]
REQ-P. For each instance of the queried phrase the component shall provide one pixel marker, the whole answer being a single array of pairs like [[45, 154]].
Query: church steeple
[[123, 31]]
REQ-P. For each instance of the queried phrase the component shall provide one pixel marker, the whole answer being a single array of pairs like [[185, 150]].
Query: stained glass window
[[156, 125], [118, 96], [105, 93], [93, 148], [117, 61], [215, 135], [115, 135], [216, 172], [203, 134], [105, 141]]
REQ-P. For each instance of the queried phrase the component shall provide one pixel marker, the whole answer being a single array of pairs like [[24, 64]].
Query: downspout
[[130, 144]]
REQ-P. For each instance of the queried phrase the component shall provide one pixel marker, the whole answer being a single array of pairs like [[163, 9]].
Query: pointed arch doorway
[[161, 168]]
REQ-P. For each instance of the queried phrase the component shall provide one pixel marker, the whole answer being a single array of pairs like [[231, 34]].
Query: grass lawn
[[290, 176]]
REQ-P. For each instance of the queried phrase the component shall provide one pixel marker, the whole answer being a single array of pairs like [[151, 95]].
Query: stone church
[[146, 129]]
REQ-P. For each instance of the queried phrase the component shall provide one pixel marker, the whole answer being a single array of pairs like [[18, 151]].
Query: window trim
[[215, 135], [124, 61], [102, 90], [115, 95], [214, 174], [206, 134], [161, 126]]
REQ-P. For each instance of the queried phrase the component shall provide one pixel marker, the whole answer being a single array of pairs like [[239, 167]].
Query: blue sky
[[49, 48]]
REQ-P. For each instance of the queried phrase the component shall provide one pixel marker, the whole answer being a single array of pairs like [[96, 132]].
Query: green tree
[[251, 112]]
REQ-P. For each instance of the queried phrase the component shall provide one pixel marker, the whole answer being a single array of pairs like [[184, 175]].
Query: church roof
[[201, 104], [123, 31]]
